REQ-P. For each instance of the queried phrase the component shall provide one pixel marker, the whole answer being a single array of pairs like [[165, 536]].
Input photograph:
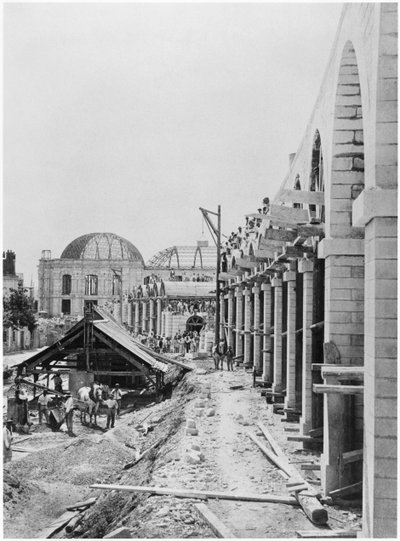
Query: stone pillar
[[163, 323], [306, 266], [257, 359], [377, 210], [290, 399], [239, 322], [222, 317], [266, 289], [230, 317], [277, 383], [130, 314], [144, 316], [151, 316], [137, 316], [248, 361], [159, 316]]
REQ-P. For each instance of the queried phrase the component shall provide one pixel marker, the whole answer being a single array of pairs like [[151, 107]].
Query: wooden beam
[[293, 215], [308, 230], [345, 491], [352, 456], [310, 467], [200, 494], [213, 521], [320, 388], [342, 371], [331, 534], [316, 432], [53, 350], [301, 196], [117, 373], [307, 439], [297, 252], [57, 524], [265, 253], [271, 243]]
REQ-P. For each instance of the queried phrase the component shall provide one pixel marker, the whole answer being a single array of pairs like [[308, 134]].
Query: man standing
[[43, 403], [229, 358], [58, 383], [7, 439], [117, 395], [69, 414], [111, 405]]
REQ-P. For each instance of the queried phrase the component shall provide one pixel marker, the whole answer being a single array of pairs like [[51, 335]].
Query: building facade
[[310, 296]]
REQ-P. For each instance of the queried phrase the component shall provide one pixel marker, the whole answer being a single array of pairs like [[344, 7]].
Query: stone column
[[239, 322], [257, 359], [137, 317], [144, 316], [159, 316], [151, 315], [266, 289], [222, 317], [230, 317], [277, 383], [290, 399], [248, 361], [130, 314], [306, 266]]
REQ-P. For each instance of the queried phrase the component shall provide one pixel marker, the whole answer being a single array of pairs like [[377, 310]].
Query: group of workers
[[220, 352]]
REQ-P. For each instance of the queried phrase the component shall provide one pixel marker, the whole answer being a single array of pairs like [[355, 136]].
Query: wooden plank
[[320, 388], [344, 491], [305, 439], [291, 429], [310, 466], [213, 521], [296, 252], [296, 216], [271, 243], [57, 524], [199, 494], [309, 502], [301, 196], [306, 231], [352, 456], [85, 503], [280, 234], [316, 534], [342, 371]]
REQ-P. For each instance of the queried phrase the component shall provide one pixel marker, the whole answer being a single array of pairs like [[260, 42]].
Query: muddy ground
[[38, 486]]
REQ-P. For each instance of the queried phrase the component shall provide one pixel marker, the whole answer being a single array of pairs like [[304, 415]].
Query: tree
[[18, 309]]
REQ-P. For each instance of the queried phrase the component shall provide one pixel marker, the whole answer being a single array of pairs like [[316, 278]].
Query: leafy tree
[[18, 309]]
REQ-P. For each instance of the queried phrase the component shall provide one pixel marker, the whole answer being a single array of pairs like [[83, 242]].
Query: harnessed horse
[[89, 406]]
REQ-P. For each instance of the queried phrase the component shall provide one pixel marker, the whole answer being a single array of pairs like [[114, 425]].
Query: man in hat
[[117, 395], [69, 413], [43, 403], [7, 439], [58, 383]]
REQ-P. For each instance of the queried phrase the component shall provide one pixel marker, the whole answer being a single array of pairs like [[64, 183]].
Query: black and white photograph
[[199, 270]]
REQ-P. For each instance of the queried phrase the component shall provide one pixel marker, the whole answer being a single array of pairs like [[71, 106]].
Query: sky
[[126, 118]]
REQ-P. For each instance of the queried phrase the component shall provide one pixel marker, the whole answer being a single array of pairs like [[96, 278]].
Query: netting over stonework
[[185, 257], [102, 246]]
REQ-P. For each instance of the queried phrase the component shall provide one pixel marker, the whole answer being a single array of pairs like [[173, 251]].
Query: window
[[91, 282], [66, 284], [66, 306], [116, 285]]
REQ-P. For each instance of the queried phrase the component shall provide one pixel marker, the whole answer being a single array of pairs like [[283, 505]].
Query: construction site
[[256, 399]]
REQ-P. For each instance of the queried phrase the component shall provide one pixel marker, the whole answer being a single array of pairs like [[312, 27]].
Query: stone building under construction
[[310, 299]]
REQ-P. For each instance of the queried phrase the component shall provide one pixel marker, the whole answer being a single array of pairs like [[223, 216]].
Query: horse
[[217, 359], [91, 407]]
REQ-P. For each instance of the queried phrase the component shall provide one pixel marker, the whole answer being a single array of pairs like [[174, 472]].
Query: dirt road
[[54, 477]]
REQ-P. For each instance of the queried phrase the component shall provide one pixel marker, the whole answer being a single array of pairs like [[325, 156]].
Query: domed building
[[93, 269]]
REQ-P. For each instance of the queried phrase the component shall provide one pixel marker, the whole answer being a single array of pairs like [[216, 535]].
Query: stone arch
[[199, 255], [347, 174]]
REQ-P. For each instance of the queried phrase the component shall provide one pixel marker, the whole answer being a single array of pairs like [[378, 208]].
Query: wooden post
[[277, 383]]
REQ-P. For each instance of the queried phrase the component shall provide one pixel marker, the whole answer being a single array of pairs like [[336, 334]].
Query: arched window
[[91, 284], [116, 285], [66, 284]]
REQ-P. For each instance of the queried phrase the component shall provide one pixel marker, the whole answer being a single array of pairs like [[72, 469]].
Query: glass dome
[[102, 246]]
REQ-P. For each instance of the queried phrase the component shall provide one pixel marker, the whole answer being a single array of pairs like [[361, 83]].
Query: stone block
[[192, 432], [200, 403], [193, 458], [210, 412], [119, 533], [190, 423], [195, 447]]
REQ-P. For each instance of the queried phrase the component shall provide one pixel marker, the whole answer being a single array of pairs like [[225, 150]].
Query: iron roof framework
[[185, 257], [105, 246]]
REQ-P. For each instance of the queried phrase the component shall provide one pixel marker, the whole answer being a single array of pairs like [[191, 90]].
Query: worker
[[43, 404], [116, 394], [69, 413], [112, 407], [7, 439], [58, 383], [229, 358]]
